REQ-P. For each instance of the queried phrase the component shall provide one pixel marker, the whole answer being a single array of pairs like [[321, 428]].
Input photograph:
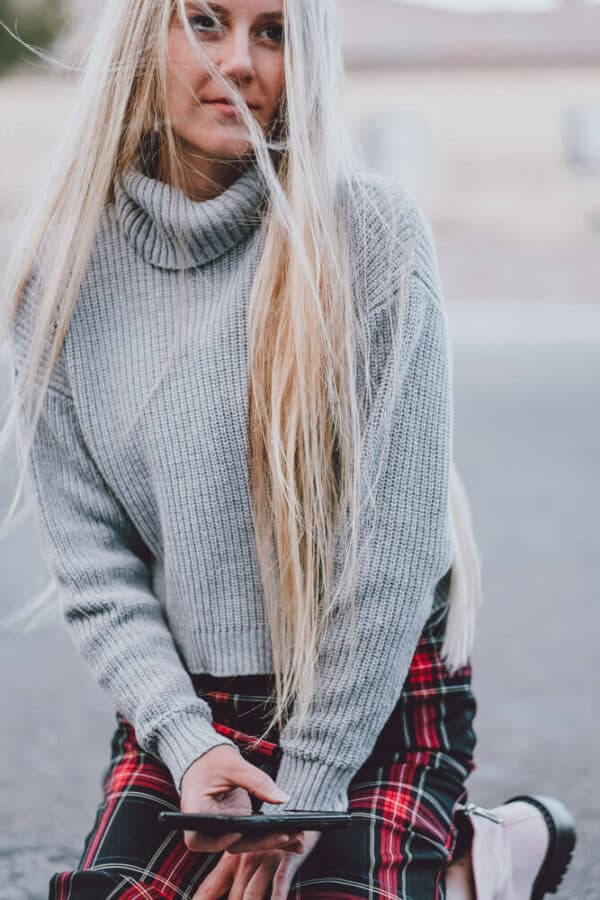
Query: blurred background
[[489, 112]]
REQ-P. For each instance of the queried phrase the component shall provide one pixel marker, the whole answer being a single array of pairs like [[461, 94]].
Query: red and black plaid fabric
[[402, 800]]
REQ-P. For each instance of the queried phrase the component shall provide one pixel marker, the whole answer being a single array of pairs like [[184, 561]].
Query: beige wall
[[494, 142], [483, 114]]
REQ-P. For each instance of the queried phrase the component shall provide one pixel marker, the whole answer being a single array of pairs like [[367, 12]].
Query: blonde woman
[[233, 396]]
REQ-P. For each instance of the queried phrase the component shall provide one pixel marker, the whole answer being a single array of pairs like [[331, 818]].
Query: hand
[[217, 783], [260, 876]]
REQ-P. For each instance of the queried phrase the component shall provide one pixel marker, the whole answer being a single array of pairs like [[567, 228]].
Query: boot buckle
[[472, 809]]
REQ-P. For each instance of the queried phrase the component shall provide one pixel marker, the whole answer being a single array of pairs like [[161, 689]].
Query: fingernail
[[281, 795]]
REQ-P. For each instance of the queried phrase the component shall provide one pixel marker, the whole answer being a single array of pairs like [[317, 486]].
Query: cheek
[[276, 83], [184, 75]]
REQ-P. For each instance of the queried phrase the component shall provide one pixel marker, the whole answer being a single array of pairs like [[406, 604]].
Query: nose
[[236, 60]]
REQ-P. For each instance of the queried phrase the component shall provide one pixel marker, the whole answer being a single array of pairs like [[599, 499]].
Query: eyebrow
[[217, 8]]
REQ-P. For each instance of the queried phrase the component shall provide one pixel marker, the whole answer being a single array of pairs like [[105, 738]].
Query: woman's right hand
[[220, 783]]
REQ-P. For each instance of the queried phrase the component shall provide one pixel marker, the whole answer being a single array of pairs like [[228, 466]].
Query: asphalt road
[[527, 444]]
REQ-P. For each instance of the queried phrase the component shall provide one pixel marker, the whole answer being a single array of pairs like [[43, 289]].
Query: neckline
[[172, 231]]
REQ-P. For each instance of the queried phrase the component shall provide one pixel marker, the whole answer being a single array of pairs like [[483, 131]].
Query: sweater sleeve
[[359, 683], [100, 565]]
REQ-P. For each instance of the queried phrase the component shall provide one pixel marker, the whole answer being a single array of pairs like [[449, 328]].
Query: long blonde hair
[[306, 418]]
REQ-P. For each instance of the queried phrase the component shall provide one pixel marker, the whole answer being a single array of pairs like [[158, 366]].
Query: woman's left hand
[[258, 875]]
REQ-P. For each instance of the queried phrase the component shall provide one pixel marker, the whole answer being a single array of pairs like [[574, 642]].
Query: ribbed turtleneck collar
[[172, 231]]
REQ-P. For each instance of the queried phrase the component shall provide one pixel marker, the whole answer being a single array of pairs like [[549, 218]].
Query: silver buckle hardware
[[473, 809]]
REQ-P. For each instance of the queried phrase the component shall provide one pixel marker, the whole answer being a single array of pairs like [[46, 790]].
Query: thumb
[[257, 782]]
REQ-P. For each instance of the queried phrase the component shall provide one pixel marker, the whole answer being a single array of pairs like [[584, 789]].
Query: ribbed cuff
[[183, 739], [312, 785]]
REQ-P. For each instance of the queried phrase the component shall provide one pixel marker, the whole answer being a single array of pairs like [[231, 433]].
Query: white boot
[[519, 851]]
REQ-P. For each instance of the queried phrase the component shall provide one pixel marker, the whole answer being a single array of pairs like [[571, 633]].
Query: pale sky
[[483, 5]]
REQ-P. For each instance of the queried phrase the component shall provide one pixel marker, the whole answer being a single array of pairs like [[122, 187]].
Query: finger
[[198, 842], [250, 843], [244, 872], [243, 774], [281, 840], [297, 840], [283, 877], [259, 886], [219, 881]]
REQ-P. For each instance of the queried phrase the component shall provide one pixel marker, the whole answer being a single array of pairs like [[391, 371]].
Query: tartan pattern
[[403, 833]]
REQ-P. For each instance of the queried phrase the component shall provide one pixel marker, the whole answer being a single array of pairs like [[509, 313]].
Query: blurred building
[[413, 35], [467, 91], [492, 119]]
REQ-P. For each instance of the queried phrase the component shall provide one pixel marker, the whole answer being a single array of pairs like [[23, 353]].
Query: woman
[[243, 468]]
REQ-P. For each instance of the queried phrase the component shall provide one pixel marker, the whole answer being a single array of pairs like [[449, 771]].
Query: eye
[[276, 32], [197, 23], [205, 24]]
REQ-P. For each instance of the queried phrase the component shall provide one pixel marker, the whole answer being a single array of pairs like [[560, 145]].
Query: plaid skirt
[[404, 829]]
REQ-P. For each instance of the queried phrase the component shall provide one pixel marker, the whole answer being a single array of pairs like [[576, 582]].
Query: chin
[[226, 150]]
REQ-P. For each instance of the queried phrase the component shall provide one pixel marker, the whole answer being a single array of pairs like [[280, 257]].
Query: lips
[[228, 102]]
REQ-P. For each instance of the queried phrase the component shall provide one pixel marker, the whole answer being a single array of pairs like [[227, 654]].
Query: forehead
[[241, 7]]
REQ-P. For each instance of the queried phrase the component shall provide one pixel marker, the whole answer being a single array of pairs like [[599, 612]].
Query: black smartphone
[[256, 823]]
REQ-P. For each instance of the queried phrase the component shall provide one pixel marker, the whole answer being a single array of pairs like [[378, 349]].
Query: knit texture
[[144, 510]]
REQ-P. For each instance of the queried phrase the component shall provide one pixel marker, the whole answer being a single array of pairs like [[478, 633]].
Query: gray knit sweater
[[144, 512]]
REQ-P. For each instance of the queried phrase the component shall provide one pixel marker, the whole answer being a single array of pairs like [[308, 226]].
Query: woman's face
[[247, 47]]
